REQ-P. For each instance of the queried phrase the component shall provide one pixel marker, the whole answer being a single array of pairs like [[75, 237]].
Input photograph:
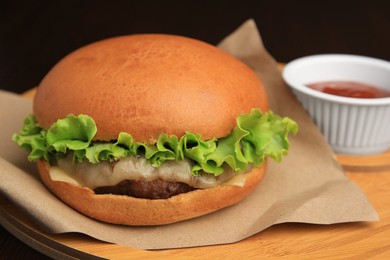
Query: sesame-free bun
[[126, 210], [150, 84]]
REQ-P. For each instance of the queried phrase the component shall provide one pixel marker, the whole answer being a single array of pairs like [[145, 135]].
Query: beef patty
[[156, 189]]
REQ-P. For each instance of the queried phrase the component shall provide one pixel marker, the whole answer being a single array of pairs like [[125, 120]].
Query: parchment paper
[[309, 186]]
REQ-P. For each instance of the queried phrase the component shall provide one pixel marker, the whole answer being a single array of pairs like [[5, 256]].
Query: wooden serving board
[[303, 241], [365, 163]]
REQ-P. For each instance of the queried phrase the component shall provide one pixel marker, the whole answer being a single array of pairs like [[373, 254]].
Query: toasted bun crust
[[119, 209], [150, 84]]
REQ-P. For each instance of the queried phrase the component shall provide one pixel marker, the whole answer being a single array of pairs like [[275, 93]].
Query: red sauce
[[349, 89]]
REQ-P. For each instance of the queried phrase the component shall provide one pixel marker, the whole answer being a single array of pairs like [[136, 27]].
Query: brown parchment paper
[[308, 186]]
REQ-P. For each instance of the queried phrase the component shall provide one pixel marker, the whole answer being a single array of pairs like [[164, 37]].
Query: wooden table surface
[[359, 240]]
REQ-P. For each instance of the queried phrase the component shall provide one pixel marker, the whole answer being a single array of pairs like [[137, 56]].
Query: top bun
[[150, 84]]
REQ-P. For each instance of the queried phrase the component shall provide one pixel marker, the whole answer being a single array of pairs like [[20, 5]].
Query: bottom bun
[[126, 210]]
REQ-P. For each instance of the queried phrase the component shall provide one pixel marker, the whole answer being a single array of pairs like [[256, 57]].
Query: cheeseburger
[[152, 129]]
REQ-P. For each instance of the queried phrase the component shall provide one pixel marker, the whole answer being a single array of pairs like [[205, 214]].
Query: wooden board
[[303, 241], [365, 163]]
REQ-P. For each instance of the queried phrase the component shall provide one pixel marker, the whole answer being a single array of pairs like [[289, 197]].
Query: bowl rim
[[292, 65]]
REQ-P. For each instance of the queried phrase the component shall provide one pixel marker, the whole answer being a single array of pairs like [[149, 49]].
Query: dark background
[[34, 35]]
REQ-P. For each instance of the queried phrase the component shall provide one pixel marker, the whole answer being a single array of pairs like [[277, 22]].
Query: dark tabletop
[[34, 35]]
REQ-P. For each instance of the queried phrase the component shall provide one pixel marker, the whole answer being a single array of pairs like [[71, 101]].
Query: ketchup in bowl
[[349, 89]]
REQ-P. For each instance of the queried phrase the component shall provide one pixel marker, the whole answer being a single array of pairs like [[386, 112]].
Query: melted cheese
[[133, 168]]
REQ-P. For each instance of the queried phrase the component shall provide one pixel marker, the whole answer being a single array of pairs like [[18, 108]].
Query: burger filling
[[165, 167], [136, 177]]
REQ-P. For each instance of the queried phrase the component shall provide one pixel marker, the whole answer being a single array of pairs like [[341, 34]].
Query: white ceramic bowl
[[351, 125]]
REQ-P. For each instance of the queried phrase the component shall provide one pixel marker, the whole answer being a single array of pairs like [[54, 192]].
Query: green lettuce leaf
[[33, 139], [257, 136], [73, 133]]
